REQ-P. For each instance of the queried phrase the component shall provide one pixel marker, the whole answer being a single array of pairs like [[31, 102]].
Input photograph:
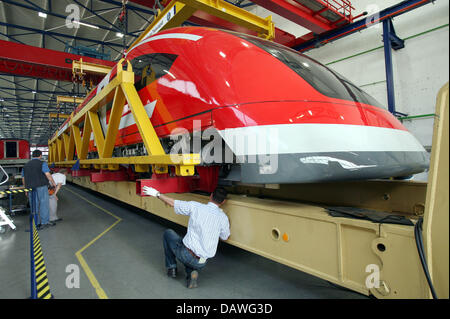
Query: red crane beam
[[25, 60]]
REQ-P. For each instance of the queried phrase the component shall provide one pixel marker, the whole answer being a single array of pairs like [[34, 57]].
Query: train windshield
[[150, 67], [323, 79]]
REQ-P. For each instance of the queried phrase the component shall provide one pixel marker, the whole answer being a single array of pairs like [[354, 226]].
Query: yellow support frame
[[69, 99], [80, 68], [229, 12], [120, 90], [58, 115], [63, 145], [184, 9]]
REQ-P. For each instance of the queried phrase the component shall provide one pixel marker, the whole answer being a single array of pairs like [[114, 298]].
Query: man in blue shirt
[[207, 223], [36, 175]]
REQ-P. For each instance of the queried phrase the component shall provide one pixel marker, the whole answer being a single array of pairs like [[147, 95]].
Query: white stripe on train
[[317, 138]]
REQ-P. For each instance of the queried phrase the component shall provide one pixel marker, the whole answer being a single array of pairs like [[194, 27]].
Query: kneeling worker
[[207, 223]]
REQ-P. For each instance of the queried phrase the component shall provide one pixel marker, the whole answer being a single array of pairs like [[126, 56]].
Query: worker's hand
[[56, 197], [150, 191]]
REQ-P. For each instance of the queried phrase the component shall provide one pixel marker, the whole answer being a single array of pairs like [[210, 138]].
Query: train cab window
[[11, 149], [323, 79], [150, 67]]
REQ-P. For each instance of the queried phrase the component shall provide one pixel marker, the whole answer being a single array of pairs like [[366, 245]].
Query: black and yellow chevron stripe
[[24, 190], [42, 285]]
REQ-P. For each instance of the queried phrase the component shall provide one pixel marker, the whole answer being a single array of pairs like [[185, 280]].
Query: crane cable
[[123, 23]]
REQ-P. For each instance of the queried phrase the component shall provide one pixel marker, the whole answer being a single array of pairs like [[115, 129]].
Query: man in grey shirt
[[207, 223]]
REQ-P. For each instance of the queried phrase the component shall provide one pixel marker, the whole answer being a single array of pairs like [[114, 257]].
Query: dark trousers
[[174, 249]]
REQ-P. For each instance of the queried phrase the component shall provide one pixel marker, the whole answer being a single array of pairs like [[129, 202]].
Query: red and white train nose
[[302, 149]]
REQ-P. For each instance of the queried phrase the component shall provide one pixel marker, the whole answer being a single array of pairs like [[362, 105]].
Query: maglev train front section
[[280, 116]]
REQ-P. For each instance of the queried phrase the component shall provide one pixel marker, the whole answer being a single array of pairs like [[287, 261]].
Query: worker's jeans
[[41, 204], [175, 249]]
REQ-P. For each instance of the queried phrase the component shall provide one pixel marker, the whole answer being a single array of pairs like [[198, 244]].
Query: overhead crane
[[26, 60], [286, 223]]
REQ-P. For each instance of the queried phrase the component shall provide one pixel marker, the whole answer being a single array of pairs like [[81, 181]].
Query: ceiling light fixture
[[42, 15], [120, 35], [86, 24]]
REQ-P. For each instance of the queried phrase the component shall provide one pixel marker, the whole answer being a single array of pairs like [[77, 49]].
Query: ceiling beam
[[61, 16], [56, 34]]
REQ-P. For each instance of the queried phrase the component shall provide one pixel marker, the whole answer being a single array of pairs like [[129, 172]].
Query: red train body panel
[[13, 149], [322, 126]]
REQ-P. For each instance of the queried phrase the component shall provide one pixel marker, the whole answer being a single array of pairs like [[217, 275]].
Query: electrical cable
[[420, 250]]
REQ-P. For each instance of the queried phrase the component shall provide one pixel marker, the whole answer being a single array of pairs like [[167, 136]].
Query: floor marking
[[40, 283], [94, 282]]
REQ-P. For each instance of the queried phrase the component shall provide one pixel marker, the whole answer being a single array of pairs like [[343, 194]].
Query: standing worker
[[207, 223], [60, 180], [36, 175]]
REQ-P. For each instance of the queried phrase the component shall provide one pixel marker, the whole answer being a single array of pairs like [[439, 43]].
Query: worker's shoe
[[172, 272], [192, 280]]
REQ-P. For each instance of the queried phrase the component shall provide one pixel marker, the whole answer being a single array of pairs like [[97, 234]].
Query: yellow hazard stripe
[[41, 293], [44, 282], [38, 253], [40, 265], [16, 191], [44, 274], [40, 272]]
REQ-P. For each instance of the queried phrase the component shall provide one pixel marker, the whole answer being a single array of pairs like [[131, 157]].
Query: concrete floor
[[128, 260]]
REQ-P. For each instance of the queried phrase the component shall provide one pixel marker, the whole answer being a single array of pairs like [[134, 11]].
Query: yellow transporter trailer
[[286, 223], [290, 225]]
